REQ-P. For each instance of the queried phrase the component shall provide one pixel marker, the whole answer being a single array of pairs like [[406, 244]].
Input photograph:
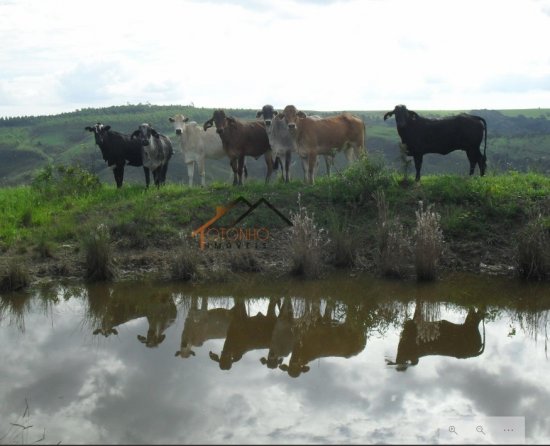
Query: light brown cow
[[326, 136]]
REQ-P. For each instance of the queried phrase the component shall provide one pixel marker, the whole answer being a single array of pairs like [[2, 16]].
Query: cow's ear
[[414, 115], [387, 115], [263, 360], [178, 353], [171, 119], [135, 134], [208, 124], [301, 114], [155, 133], [106, 127], [275, 112], [260, 113], [305, 369], [231, 120], [90, 129], [185, 119]]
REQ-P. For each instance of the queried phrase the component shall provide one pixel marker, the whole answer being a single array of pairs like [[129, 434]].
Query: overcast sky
[[318, 55]]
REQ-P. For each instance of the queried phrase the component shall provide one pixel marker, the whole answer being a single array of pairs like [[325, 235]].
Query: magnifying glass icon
[[452, 429], [480, 429]]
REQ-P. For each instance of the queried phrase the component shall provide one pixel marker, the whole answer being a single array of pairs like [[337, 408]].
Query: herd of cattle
[[292, 332], [279, 135]]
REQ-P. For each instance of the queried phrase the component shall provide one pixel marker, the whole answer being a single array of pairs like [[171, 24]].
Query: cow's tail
[[485, 130]]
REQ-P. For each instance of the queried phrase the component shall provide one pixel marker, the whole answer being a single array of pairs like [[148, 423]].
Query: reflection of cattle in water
[[160, 311], [282, 339], [202, 324], [420, 338], [319, 336], [246, 333]]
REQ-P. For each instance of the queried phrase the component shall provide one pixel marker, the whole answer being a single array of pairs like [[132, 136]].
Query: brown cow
[[324, 136], [421, 338], [202, 324], [318, 336], [246, 333], [240, 139]]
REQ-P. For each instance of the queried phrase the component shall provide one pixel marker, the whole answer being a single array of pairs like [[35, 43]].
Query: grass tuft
[[14, 277], [98, 253], [428, 239]]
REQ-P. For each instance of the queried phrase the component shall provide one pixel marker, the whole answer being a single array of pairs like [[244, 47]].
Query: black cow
[[443, 338], [157, 151], [118, 150], [421, 135]]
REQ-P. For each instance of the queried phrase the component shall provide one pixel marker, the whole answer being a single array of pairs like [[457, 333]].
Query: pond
[[348, 359]]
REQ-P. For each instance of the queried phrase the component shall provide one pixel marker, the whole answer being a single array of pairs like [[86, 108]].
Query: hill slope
[[517, 139]]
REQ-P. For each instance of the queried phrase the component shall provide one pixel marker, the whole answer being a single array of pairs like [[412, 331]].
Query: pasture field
[[517, 139], [43, 224]]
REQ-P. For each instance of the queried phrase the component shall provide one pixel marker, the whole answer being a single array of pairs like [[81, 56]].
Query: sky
[[323, 55]]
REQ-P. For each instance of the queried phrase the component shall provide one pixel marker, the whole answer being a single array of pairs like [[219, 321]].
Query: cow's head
[[267, 112], [220, 120], [294, 368], [402, 115], [293, 116], [186, 349], [100, 132], [179, 123], [144, 133]]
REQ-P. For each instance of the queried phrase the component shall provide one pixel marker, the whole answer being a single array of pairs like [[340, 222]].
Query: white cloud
[[321, 55]]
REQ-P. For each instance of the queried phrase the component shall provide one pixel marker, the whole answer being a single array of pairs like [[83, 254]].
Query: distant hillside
[[517, 139]]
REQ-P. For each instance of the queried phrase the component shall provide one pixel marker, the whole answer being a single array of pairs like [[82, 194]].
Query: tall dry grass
[[393, 243], [428, 242], [533, 252], [99, 261], [306, 243]]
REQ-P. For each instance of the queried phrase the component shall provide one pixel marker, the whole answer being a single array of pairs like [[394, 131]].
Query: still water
[[341, 360]]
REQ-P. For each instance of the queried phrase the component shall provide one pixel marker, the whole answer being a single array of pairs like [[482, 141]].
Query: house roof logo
[[223, 210]]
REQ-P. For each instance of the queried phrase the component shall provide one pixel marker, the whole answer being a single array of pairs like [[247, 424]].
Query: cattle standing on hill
[[196, 145], [421, 135], [157, 151], [281, 141], [240, 139], [118, 150], [324, 136]]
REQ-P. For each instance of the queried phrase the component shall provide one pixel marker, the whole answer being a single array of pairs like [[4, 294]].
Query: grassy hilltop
[[517, 140], [483, 220]]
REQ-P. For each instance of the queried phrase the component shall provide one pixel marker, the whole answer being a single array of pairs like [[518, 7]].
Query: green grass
[[491, 208]]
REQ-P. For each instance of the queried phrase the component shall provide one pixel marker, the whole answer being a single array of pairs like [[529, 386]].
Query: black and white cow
[[118, 149], [157, 151]]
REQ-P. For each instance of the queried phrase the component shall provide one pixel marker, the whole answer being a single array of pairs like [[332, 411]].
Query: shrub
[[428, 239], [186, 263], [244, 261], [306, 242], [533, 253], [393, 244], [65, 180], [99, 259], [14, 277]]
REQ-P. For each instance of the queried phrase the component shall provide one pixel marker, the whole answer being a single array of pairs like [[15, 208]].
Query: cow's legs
[[190, 172], [240, 167], [202, 171], [288, 156], [147, 176], [329, 162], [163, 170], [269, 162], [233, 163], [312, 163], [118, 172], [417, 166]]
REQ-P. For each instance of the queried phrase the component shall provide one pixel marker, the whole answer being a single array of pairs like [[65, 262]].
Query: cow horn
[[208, 124], [388, 114]]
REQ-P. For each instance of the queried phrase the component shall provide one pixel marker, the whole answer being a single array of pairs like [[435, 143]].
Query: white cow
[[197, 145]]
